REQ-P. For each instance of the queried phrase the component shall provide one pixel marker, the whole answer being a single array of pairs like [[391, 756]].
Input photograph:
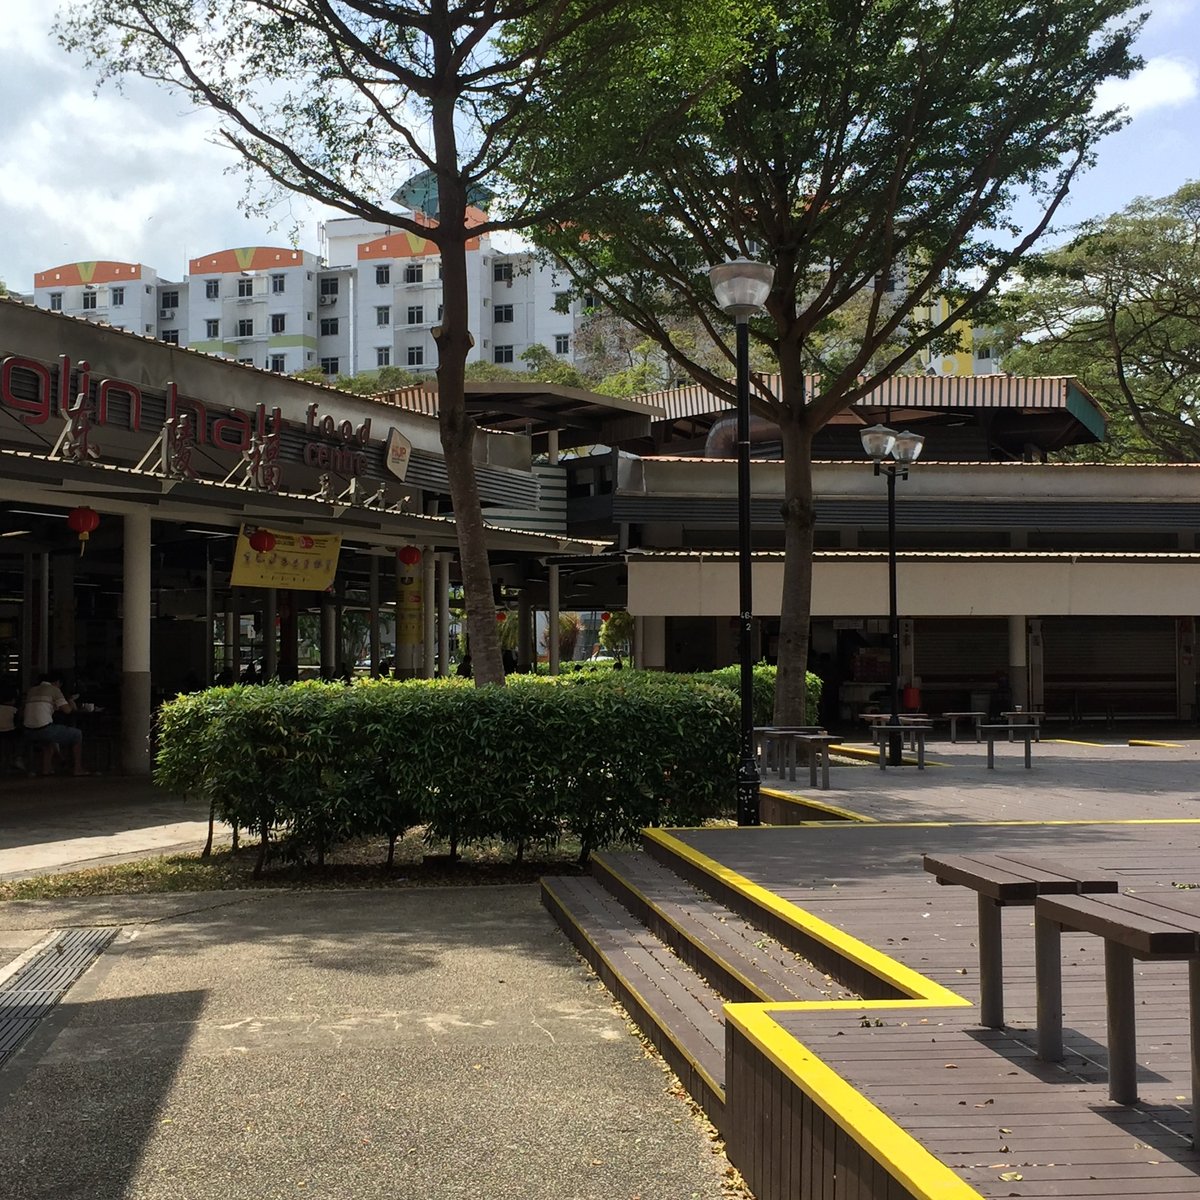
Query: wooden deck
[[1004, 1123]]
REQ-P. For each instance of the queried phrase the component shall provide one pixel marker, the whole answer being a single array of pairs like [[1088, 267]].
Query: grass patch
[[353, 865]]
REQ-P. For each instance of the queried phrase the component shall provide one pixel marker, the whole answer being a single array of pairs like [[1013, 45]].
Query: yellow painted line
[[900, 1154], [1161, 745], [903, 978], [646, 1008], [1072, 742], [846, 814], [751, 987]]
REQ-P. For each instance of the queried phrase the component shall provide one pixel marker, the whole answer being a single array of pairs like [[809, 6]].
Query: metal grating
[[28, 995]]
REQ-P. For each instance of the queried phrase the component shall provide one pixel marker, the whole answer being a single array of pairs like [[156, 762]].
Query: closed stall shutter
[[1110, 666], [958, 657]]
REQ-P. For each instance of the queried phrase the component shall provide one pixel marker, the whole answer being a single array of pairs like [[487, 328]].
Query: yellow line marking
[[924, 1175], [847, 814], [903, 978], [708, 1079], [1072, 742], [1161, 745]]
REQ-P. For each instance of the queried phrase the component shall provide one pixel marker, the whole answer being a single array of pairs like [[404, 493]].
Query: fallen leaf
[[1011, 1176]]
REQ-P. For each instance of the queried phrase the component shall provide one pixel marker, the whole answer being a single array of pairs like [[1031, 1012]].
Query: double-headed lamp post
[[741, 288], [893, 453]]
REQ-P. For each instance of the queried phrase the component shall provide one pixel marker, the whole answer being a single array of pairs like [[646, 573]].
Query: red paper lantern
[[409, 555], [83, 521], [604, 616], [499, 617], [262, 541]]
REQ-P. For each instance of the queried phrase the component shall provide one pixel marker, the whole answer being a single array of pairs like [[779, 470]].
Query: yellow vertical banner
[[409, 609]]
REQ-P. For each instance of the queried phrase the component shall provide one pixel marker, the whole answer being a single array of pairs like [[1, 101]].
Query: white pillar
[[553, 616], [270, 667], [443, 614], [1018, 661], [373, 614], [652, 639], [62, 652], [526, 658], [428, 612], [135, 646], [329, 631], [28, 674], [44, 613]]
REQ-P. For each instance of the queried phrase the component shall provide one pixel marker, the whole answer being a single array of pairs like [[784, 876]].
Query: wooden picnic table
[[1153, 924], [1007, 879]]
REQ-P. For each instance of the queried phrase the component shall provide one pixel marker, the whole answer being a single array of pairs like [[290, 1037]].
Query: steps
[[674, 956]]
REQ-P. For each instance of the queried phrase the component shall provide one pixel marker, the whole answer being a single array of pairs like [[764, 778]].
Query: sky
[[136, 177]]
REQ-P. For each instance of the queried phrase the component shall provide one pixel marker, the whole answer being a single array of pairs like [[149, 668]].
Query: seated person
[[42, 702]]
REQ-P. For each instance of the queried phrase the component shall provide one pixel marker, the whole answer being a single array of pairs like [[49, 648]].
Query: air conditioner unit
[[167, 313], [328, 299]]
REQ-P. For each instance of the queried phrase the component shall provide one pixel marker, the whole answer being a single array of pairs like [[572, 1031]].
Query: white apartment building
[[370, 300]]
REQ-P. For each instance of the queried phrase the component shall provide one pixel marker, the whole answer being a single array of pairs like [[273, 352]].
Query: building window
[[245, 327], [414, 273], [329, 286], [278, 284], [116, 296], [416, 314], [416, 356], [503, 354], [383, 274], [329, 366], [502, 312], [439, 314], [591, 301], [245, 288], [383, 356], [502, 272], [171, 337], [170, 300], [278, 322], [983, 352], [246, 362], [212, 329], [383, 314], [212, 289], [89, 299], [56, 301], [279, 363], [562, 343], [329, 326]]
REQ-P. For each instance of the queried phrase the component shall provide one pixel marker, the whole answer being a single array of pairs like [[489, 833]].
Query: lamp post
[[741, 288], [893, 453]]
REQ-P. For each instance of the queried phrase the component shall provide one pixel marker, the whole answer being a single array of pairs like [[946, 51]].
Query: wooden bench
[[992, 732], [1153, 925], [912, 732], [818, 753], [954, 717], [999, 880]]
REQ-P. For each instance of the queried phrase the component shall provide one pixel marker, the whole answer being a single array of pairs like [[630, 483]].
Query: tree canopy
[[1119, 306], [874, 153]]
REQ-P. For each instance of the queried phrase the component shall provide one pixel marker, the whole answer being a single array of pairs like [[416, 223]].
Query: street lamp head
[[907, 447], [741, 286], [878, 441]]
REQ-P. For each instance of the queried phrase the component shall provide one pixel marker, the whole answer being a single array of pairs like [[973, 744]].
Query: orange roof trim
[[402, 244], [246, 258], [87, 273]]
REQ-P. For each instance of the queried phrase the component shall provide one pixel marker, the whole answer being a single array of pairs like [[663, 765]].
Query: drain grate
[[29, 994]]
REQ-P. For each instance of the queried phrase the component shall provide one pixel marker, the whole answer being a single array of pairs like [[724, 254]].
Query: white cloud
[[1164, 82]]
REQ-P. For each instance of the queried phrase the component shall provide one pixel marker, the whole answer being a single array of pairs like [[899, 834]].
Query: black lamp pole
[[748, 779], [895, 740]]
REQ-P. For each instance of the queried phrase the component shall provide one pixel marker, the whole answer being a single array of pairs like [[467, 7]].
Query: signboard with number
[[298, 561]]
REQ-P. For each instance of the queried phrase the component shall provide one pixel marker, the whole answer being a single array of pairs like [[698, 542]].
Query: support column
[[328, 637], [525, 658], [270, 634], [373, 615], [652, 641], [235, 633], [428, 613], [43, 646], [209, 616], [62, 650], [28, 620], [443, 614], [135, 646], [555, 613], [1037, 671], [1018, 661]]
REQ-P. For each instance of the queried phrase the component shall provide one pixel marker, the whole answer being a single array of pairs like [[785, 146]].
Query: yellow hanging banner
[[299, 561]]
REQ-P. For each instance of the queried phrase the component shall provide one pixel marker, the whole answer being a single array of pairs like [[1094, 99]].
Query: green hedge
[[597, 756]]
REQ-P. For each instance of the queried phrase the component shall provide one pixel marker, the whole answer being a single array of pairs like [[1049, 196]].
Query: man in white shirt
[[42, 701]]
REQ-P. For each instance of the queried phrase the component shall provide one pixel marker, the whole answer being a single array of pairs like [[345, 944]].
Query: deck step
[[736, 957], [673, 1006]]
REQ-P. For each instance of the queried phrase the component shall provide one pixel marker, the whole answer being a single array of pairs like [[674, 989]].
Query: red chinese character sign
[[296, 561]]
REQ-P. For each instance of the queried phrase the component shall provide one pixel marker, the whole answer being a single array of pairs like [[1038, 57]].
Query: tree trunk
[[456, 427], [791, 692]]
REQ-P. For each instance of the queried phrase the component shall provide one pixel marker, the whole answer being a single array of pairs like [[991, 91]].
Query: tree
[[863, 142], [1119, 306], [341, 100], [365, 383]]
